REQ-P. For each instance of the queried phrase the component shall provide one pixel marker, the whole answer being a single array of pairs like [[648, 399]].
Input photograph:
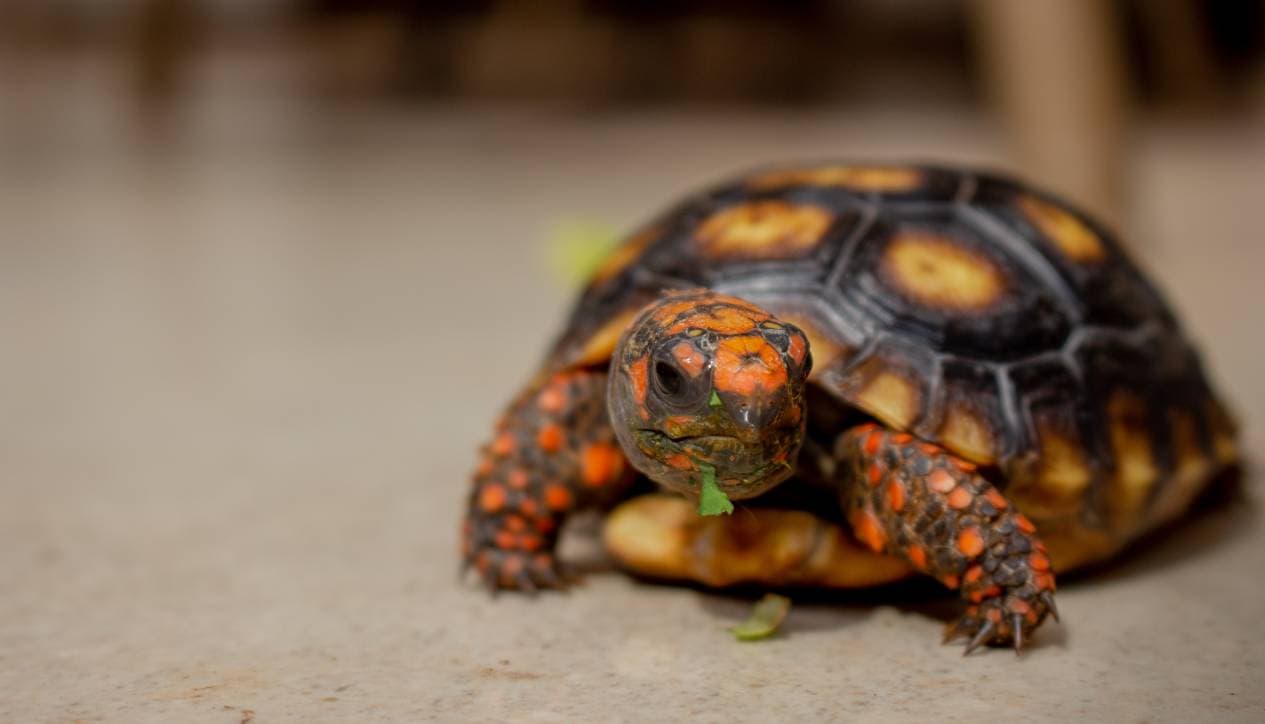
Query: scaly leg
[[917, 501], [553, 452]]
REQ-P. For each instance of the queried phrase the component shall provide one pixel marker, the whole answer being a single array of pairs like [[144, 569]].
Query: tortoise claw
[[1048, 599], [981, 637], [1016, 623]]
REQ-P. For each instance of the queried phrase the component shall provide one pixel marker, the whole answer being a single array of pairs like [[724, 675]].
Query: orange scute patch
[[973, 574], [528, 507], [601, 463], [960, 498], [505, 540], [518, 479], [941, 481], [996, 498], [859, 178], [552, 399], [680, 461], [1039, 562], [872, 441], [638, 372], [748, 364], [503, 444], [763, 230], [557, 497], [689, 358], [970, 543], [670, 310], [1072, 237], [875, 474], [798, 348], [725, 320], [491, 498], [896, 495], [549, 438], [939, 272], [1024, 524], [917, 556], [869, 530]]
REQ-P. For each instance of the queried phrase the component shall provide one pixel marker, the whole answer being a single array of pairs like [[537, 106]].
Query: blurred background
[[1062, 83], [269, 268]]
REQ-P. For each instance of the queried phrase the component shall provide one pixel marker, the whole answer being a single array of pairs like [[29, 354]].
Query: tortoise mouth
[[742, 468], [704, 445]]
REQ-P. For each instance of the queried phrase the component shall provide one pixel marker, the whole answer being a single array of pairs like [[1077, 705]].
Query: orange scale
[[941, 481], [491, 498]]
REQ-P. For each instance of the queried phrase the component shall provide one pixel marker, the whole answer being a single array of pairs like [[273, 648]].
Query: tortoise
[[974, 372]]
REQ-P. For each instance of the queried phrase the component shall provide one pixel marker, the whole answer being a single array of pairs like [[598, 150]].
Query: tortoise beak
[[755, 418]]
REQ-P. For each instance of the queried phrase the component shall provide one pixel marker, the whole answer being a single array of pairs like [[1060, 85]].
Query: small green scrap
[[577, 247], [768, 614], [711, 499], [715, 401]]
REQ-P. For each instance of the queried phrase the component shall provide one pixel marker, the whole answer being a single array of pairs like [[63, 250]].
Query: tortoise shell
[[966, 308]]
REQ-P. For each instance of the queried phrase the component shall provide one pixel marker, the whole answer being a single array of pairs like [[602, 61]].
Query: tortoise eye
[[668, 379]]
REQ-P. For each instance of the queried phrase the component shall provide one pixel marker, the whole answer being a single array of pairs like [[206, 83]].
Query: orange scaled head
[[705, 379]]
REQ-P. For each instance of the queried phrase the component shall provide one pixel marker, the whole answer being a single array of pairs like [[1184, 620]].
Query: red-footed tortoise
[[991, 389]]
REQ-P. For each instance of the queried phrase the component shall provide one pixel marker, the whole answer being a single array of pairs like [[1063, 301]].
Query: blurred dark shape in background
[[1063, 77]]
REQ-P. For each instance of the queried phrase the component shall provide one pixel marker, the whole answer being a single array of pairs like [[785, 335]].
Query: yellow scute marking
[[624, 254], [937, 272], [763, 230], [824, 349], [891, 398], [602, 343], [1052, 484], [1224, 442], [861, 178], [1076, 240], [1135, 465], [1191, 471], [968, 435]]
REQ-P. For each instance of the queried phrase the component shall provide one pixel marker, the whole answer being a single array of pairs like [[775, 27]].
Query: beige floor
[[245, 369]]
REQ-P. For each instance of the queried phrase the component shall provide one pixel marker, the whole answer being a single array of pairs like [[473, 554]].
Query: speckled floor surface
[[244, 373]]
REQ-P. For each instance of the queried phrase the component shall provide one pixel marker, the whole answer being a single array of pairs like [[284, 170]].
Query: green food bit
[[768, 614], [577, 247], [711, 499], [715, 401]]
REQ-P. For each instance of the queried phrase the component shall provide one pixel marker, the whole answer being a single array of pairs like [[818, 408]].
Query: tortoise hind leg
[[915, 500]]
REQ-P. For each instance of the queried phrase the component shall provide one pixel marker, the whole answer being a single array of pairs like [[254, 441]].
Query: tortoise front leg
[[915, 500], [553, 452]]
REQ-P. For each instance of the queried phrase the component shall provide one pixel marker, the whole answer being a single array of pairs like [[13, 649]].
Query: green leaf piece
[[577, 247], [711, 499], [768, 614], [715, 401]]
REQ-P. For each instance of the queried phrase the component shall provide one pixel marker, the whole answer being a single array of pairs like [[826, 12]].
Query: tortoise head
[[704, 379]]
